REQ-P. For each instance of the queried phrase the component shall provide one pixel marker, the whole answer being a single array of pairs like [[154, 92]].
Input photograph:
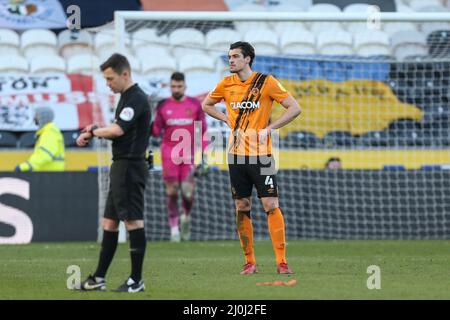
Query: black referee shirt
[[133, 115]]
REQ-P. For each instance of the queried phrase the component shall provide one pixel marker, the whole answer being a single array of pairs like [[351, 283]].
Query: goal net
[[367, 157]]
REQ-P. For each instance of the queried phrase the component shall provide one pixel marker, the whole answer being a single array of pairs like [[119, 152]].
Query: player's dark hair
[[117, 62], [246, 48], [177, 76]]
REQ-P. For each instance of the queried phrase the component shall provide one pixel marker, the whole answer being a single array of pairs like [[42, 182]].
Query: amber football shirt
[[249, 105]]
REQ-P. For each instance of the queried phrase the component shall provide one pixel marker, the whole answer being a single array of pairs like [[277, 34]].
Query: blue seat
[[394, 167], [374, 139], [408, 133], [436, 118], [403, 124], [299, 139], [414, 138], [439, 43], [339, 139], [8, 139], [440, 137]]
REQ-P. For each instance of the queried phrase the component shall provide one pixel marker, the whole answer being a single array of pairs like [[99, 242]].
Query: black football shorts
[[126, 190], [246, 172]]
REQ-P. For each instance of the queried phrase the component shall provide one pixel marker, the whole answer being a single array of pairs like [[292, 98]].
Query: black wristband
[[92, 130]]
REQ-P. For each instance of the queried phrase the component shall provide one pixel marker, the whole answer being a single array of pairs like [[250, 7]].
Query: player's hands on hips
[[263, 134], [83, 139]]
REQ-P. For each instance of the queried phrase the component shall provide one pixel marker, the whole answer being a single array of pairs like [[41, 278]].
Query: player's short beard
[[177, 96]]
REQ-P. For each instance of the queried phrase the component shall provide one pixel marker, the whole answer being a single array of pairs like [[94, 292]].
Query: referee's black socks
[[137, 252], [109, 246]]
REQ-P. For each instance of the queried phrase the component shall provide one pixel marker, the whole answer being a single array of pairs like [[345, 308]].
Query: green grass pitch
[[210, 270]]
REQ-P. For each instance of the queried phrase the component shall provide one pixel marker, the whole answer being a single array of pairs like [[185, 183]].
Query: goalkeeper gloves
[[202, 169]]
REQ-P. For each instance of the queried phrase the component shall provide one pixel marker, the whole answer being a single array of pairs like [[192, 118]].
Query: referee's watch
[[92, 130]]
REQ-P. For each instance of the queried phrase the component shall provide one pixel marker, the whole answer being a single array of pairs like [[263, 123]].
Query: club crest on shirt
[[255, 91], [189, 111], [127, 114]]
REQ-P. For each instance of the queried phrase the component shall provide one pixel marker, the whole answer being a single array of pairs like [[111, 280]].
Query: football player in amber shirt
[[249, 97]]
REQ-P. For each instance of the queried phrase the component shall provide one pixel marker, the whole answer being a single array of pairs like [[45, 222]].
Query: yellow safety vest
[[48, 152]]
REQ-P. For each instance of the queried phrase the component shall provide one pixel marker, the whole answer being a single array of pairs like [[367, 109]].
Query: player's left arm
[[292, 111], [278, 93]]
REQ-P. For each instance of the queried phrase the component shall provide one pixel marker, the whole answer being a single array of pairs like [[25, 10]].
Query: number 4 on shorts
[[268, 181]]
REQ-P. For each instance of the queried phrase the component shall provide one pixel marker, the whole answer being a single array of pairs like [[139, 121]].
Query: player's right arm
[[208, 104]]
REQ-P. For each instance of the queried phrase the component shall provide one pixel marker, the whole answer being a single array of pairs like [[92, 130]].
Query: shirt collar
[[41, 130], [129, 90], [248, 81]]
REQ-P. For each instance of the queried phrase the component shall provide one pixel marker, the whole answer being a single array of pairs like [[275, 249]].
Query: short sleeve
[[276, 90], [128, 116], [218, 92]]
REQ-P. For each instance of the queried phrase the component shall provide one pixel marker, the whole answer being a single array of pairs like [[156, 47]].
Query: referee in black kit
[[130, 135]]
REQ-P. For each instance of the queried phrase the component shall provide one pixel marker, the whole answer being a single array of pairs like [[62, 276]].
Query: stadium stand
[[339, 139], [196, 63], [161, 65], [36, 42], [300, 139], [318, 27], [374, 139], [408, 43], [147, 41], [218, 40], [105, 44], [299, 42], [439, 43], [292, 26], [356, 8], [264, 41], [9, 42], [74, 42], [13, 64], [82, 63], [243, 26], [186, 41], [371, 43], [199, 49], [335, 42], [47, 63]]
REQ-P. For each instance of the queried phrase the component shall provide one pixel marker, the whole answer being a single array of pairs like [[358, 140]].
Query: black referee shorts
[[246, 172], [126, 190]]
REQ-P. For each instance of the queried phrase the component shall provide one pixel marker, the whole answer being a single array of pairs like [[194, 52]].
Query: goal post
[[385, 116]]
